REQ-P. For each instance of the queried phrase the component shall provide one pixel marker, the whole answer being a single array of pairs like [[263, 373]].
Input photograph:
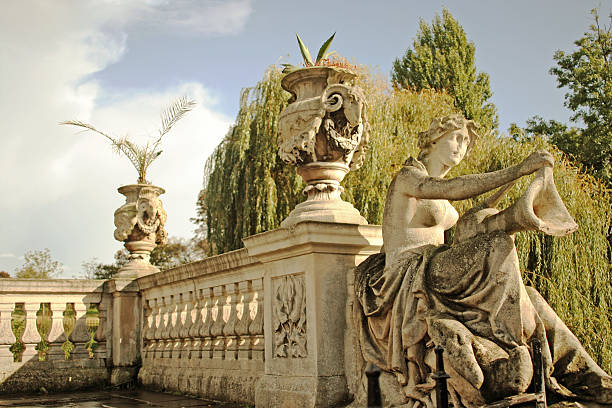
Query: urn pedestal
[[323, 131], [140, 225]]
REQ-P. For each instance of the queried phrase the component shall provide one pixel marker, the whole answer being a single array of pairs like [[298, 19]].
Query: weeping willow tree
[[248, 190]]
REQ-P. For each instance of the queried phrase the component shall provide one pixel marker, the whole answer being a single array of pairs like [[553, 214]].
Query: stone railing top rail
[[51, 286], [208, 266]]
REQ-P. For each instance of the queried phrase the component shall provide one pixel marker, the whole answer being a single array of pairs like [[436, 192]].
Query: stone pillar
[[305, 283], [127, 324]]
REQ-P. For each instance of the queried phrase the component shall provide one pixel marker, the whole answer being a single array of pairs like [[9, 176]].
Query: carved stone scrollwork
[[324, 132], [140, 225], [289, 317]]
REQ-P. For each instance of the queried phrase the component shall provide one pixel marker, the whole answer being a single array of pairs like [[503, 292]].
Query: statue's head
[[443, 127]]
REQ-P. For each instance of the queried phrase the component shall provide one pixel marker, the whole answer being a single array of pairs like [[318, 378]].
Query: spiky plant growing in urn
[[322, 56], [141, 156]]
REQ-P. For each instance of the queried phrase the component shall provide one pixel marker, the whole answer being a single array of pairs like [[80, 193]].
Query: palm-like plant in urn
[[323, 131], [140, 221]]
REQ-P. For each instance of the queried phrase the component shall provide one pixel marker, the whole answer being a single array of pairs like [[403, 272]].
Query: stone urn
[[140, 225], [323, 131]]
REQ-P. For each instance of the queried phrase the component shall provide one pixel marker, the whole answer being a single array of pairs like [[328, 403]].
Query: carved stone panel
[[289, 316]]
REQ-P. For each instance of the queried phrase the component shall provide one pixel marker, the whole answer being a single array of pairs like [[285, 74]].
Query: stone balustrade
[[267, 325], [53, 333], [203, 327]]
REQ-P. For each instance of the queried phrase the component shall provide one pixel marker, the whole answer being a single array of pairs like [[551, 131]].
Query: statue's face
[[450, 149]]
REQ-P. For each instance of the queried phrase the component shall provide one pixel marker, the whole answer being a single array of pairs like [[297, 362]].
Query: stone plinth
[[126, 323], [305, 276]]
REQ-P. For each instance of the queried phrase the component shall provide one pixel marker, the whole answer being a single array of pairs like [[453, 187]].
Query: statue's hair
[[440, 126]]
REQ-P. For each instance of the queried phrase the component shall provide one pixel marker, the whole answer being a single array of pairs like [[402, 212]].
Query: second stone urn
[[140, 225], [323, 131]]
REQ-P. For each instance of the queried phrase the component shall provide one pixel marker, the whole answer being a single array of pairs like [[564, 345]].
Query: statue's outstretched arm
[[417, 184]]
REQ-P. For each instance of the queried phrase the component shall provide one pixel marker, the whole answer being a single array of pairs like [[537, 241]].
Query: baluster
[[18, 326], [43, 325], [69, 321], [186, 315], [217, 327], [103, 330], [185, 342], [79, 335], [195, 352], [205, 330], [6, 334], [257, 315], [229, 330], [196, 315], [159, 331], [175, 342], [152, 350], [186, 327], [30, 335], [155, 323], [56, 334], [92, 322], [167, 344], [172, 312], [147, 329], [244, 315]]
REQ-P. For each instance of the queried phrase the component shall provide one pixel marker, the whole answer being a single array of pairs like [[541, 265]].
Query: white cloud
[[7, 256], [206, 17], [59, 188]]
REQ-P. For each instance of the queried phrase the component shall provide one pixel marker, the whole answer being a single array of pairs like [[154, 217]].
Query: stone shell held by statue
[[327, 120]]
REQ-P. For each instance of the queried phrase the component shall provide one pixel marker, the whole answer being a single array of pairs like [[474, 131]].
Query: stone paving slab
[[111, 399]]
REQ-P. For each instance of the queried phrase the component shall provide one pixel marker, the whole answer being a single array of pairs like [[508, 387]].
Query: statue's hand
[[536, 160]]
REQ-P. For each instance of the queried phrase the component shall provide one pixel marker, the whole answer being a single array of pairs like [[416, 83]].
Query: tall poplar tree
[[442, 58]]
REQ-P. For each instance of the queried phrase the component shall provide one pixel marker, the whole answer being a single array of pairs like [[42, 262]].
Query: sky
[[117, 64]]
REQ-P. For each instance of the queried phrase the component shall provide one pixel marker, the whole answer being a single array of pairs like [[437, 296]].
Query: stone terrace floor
[[111, 399]]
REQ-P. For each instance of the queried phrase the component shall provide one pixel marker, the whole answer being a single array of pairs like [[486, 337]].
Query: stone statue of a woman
[[467, 297]]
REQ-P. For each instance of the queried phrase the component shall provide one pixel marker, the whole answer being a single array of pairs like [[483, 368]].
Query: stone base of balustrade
[[56, 374], [297, 392], [222, 384]]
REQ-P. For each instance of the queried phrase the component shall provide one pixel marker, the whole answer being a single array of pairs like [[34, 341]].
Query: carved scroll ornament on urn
[[324, 132]]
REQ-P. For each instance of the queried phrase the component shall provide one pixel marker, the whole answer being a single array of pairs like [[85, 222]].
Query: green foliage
[[248, 190], [442, 58], [93, 269], [586, 73], [142, 157], [39, 264], [176, 252]]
